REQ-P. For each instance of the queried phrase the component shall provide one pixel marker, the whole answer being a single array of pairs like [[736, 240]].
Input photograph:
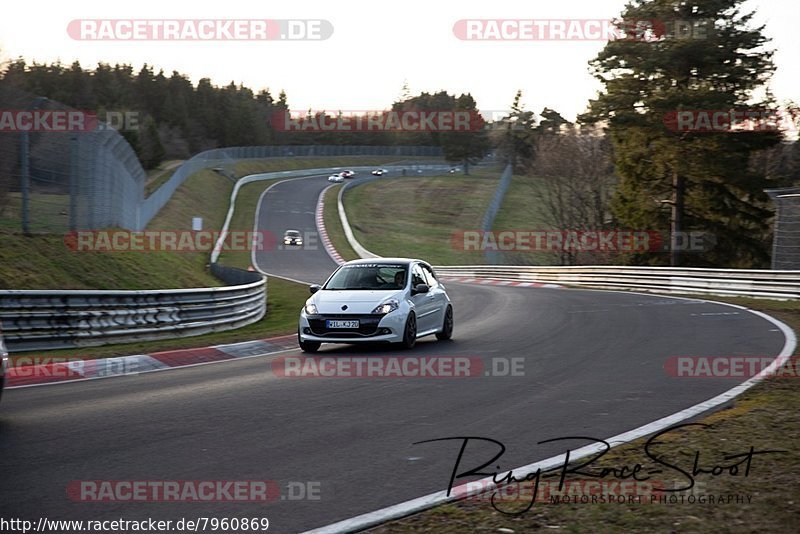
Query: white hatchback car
[[336, 178], [390, 300]]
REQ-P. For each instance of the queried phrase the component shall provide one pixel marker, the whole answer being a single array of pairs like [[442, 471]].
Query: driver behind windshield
[[375, 278]]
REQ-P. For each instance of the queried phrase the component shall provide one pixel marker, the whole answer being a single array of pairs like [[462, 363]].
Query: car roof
[[292, 231], [379, 261]]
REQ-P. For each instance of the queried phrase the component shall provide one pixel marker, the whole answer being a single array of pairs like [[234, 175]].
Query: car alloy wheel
[[308, 346], [410, 332]]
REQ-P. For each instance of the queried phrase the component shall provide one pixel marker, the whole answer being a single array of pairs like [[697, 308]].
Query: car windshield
[[292, 233], [369, 276]]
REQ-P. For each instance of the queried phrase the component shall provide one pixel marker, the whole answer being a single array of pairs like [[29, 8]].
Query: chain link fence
[[55, 177], [786, 241]]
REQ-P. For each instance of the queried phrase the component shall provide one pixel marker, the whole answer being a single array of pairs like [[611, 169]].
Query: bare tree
[[576, 173]]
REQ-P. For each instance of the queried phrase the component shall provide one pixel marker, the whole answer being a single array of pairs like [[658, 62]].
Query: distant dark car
[[292, 237], [3, 363]]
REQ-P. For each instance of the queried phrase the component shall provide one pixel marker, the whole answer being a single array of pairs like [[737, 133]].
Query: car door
[[438, 295], [424, 303]]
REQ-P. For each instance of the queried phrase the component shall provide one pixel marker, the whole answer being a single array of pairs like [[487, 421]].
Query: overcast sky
[[375, 47]]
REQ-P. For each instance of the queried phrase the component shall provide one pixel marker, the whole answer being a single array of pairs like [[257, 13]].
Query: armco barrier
[[225, 158], [730, 282], [723, 282], [494, 206], [46, 320]]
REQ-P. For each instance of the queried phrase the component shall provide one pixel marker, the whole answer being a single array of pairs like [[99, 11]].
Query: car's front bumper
[[372, 328]]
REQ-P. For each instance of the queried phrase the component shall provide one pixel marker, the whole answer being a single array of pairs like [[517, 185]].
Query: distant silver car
[[3, 361], [390, 300], [379, 172], [292, 237], [336, 178]]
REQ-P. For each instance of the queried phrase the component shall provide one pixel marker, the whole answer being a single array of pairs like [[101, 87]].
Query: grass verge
[[45, 261], [764, 417], [418, 216]]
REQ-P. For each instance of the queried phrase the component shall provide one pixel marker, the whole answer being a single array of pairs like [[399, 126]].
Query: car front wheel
[[410, 332], [308, 346]]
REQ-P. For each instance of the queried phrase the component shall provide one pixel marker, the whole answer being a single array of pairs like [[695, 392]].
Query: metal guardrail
[[724, 282], [226, 158], [494, 207], [55, 319]]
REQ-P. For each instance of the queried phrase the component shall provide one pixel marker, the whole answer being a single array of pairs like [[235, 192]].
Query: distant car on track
[[347, 174], [292, 237], [3, 362], [390, 300], [379, 172], [335, 178]]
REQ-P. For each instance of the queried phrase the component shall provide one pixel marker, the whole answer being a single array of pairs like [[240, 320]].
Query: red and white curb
[[37, 371], [493, 282], [323, 233]]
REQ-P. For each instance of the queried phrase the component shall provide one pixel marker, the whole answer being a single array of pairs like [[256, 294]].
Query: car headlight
[[311, 308], [386, 307]]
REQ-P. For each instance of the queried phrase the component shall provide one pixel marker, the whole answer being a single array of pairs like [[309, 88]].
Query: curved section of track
[[593, 365]]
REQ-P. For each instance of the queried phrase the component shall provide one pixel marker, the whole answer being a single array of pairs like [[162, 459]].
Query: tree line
[[177, 118]]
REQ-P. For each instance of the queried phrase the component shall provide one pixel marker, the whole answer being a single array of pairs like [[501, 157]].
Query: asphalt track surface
[[593, 366]]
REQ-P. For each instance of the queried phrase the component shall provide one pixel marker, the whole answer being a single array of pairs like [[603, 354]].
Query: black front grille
[[368, 325]]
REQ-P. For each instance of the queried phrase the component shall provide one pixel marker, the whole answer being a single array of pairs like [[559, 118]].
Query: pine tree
[[703, 178]]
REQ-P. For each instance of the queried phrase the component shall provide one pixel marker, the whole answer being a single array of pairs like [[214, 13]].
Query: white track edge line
[[419, 504]]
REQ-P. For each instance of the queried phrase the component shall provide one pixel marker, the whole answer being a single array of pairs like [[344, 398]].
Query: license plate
[[341, 324]]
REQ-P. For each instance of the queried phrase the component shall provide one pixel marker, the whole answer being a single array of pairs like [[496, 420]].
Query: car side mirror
[[421, 288], [314, 288]]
